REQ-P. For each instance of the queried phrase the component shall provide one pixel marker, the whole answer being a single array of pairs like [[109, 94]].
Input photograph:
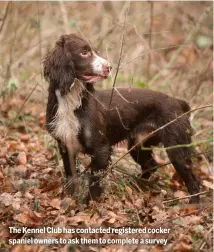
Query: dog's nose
[[107, 69]]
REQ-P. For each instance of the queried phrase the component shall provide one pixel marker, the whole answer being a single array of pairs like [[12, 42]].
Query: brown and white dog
[[79, 119]]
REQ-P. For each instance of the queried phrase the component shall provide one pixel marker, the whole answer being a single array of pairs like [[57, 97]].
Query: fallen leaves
[[128, 190], [208, 184], [55, 203], [22, 158], [8, 199], [179, 194], [31, 186], [25, 138], [182, 247], [29, 218]]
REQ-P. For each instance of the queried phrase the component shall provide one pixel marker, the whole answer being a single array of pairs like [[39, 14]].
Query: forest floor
[[31, 195]]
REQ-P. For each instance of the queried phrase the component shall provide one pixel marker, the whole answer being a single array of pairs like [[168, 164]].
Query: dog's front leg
[[68, 155], [99, 162]]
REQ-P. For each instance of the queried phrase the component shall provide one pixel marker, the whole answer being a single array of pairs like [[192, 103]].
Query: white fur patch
[[65, 124], [98, 64]]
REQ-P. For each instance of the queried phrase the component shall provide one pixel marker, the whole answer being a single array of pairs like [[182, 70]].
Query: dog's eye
[[85, 53]]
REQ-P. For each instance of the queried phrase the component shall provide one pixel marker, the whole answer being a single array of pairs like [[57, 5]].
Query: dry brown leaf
[[21, 168], [182, 247], [179, 194], [8, 199], [28, 195], [47, 170], [25, 138], [55, 203], [139, 203], [159, 214], [22, 158], [185, 238], [129, 204], [67, 203], [41, 118], [191, 57], [112, 220], [1, 176], [18, 248], [101, 220], [21, 147], [128, 190], [75, 220], [192, 219], [208, 184], [53, 185], [157, 248], [176, 179], [4, 233], [205, 170], [29, 218]]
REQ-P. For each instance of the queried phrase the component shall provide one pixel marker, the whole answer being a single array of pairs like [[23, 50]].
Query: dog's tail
[[184, 105]]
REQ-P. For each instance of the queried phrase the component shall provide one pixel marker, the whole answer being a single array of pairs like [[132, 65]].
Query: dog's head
[[73, 57]]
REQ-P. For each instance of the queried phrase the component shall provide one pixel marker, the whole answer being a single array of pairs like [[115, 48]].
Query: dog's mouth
[[94, 77]]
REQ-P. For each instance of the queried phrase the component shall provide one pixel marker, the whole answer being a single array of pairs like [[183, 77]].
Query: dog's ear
[[59, 68]]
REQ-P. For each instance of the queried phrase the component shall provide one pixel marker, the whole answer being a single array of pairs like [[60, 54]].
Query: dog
[[82, 118]]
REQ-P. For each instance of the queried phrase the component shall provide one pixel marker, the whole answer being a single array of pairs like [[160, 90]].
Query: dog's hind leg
[[144, 157], [180, 157]]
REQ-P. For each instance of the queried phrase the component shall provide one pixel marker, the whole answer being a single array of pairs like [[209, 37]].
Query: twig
[[162, 165], [151, 51], [121, 119], [5, 16], [120, 56], [64, 15], [183, 215], [150, 39], [201, 246], [178, 146], [185, 197], [14, 21], [23, 104], [40, 45], [121, 95]]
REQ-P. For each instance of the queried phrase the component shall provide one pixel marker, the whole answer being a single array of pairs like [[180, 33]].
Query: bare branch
[[23, 104], [178, 145], [150, 38], [179, 216], [121, 95], [64, 15], [120, 56], [205, 239], [151, 51], [121, 119], [185, 197], [5, 16]]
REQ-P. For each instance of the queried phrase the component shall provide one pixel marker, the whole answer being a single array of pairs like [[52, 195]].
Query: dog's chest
[[66, 125]]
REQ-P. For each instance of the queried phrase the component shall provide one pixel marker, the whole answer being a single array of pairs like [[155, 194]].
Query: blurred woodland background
[[168, 46]]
